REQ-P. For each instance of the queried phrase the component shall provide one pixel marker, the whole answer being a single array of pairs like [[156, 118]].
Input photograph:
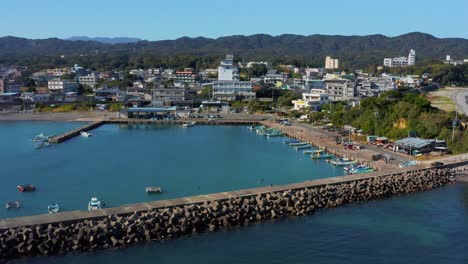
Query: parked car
[[437, 163]]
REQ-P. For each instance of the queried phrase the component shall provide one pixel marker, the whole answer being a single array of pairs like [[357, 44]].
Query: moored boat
[[53, 208], [295, 144], [342, 162], [94, 204], [153, 189], [85, 134], [307, 146], [10, 205], [26, 188], [291, 141], [321, 156], [42, 144]]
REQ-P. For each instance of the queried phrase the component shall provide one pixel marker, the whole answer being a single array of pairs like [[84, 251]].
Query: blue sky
[[170, 19]]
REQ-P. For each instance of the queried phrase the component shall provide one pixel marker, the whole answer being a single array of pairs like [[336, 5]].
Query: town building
[[232, 90], [402, 61], [169, 96], [339, 89], [227, 71], [9, 97], [9, 86], [228, 87], [331, 63], [312, 100], [449, 60], [110, 94], [273, 76], [62, 86], [188, 77], [90, 80]]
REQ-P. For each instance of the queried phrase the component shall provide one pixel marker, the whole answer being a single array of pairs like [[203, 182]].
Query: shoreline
[[57, 117]]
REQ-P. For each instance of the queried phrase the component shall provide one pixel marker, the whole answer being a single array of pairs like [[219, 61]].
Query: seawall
[[129, 225]]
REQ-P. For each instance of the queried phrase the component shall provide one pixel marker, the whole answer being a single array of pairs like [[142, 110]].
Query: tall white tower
[[227, 71], [412, 57]]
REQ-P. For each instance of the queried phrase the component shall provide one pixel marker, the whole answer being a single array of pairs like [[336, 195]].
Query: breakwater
[[75, 132], [205, 213]]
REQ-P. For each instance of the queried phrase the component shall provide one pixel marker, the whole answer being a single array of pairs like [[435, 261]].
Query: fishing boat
[[53, 208], [153, 189], [85, 134], [274, 133], [26, 188], [10, 205], [307, 146], [321, 156], [355, 166], [291, 141], [94, 204], [188, 124], [295, 144], [40, 138], [360, 170], [342, 162], [42, 144]]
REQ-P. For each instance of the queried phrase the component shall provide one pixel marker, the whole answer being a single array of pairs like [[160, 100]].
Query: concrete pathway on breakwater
[[73, 216]]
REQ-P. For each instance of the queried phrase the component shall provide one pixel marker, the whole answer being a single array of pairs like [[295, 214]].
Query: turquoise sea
[[427, 227], [118, 162]]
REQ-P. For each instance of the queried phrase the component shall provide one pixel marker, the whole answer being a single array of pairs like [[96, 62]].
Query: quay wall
[[76, 132], [127, 225]]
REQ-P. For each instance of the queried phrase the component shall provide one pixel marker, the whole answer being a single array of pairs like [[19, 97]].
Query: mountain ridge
[[353, 51]]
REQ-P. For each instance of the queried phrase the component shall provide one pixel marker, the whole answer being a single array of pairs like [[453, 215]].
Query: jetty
[[220, 121], [133, 224]]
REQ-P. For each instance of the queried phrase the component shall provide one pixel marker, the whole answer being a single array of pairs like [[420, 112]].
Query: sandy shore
[[47, 116]]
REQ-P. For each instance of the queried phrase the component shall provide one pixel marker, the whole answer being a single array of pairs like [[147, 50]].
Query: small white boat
[[94, 204], [153, 189], [85, 134], [53, 208], [9, 205], [189, 124]]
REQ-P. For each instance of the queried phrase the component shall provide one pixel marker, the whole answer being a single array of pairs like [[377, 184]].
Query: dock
[[76, 132]]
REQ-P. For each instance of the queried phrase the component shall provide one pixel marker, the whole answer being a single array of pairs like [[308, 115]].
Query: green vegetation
[[202, 53], [395, 115]]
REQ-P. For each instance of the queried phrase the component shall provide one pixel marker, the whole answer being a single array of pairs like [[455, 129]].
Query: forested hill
[[306, 50]]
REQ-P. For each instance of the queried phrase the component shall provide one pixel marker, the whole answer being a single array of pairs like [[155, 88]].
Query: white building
[[313, 100], [228, 87], [331, 63], [63, 86], [90, 80], [401, 61], [339, 89], [227, 71], [412, 57]]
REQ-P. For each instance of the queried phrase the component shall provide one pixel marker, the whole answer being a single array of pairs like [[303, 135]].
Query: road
[[460, 97]]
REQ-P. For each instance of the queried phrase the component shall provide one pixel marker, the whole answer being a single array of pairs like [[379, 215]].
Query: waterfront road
[[396, 158]]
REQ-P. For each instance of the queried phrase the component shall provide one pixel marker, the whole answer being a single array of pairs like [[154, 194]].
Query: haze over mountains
[[352, 50], [115, 40]]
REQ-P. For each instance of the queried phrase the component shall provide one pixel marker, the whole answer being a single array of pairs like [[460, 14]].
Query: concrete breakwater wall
[[170, 222]]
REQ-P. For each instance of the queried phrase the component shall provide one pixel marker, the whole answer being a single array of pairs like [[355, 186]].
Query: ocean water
[[119, 161], [427, 227]]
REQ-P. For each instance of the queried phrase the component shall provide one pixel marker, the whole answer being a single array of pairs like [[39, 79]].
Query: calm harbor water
[[118, 162], [428, 227]]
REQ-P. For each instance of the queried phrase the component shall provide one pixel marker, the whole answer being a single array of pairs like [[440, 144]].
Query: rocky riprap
[[167, 223]]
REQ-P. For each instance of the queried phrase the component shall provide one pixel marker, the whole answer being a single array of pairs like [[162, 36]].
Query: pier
[[76, 132]]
